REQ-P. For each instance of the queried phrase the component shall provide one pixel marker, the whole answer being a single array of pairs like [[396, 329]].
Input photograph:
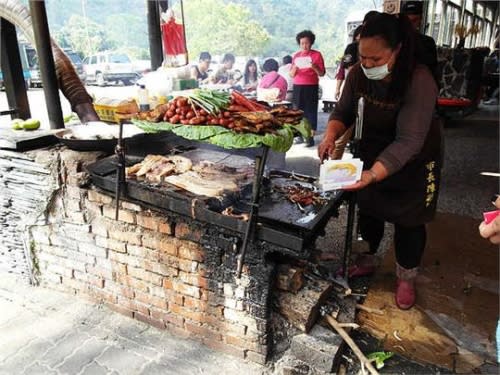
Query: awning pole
[[154, 30], [47, 65]]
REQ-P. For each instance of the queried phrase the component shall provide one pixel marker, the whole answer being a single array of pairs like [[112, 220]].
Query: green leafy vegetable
[[236, 140], [155, 127], [379, 358], [223, 137], [199, 132], [210, 100], [280, 142], [303, 127]]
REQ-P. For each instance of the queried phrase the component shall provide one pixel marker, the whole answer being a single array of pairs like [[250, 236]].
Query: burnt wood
[[302, 308]]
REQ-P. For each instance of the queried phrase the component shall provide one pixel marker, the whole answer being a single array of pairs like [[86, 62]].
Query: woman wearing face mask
[[400, 146]]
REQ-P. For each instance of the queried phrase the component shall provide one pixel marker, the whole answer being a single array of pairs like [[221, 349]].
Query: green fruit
[[31, 124], [17, 124], [69, 117]]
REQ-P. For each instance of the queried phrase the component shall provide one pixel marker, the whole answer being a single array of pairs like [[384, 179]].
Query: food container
[[95, 136], [110, 110]]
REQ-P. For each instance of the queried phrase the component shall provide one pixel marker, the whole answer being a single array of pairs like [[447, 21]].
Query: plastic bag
[[174, 45]]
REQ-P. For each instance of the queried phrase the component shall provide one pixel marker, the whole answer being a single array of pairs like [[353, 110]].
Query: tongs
[[120, 170]]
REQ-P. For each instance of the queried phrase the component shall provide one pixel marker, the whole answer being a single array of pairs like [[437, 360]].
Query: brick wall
[[166, 270]]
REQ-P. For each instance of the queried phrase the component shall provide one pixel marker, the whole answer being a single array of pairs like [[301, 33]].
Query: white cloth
[[284, 71]]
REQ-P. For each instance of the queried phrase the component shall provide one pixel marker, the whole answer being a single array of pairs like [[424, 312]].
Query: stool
[[328, 105]]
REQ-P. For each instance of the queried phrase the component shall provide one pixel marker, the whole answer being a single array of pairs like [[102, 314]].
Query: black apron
[[409, 196]]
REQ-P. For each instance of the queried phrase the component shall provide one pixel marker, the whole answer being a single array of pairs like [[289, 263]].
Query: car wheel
[[99, 79]]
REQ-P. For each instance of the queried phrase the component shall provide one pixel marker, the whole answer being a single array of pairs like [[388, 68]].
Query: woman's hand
[[317, 70], [334, 130], [326, 148], [367, 178], [293, 71], [491, 231]]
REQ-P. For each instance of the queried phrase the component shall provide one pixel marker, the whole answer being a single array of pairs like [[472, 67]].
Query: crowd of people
[[296, 80], [271, 74]]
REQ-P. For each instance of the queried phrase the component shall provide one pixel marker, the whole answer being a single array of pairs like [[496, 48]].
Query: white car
[[106, 67]]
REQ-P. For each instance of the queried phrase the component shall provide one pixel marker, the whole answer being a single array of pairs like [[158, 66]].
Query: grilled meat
[[155, 167], [196, 184]]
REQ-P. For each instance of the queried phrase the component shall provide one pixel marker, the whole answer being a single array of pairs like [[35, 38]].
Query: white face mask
[[376, 73]]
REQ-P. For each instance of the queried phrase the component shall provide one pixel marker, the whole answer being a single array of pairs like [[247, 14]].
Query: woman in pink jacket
[[272, 79], [307, 66]]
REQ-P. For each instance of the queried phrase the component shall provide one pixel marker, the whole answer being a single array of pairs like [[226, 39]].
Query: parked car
[[26, 75], [107, 67], [32, 58], [25, 65], [77, 63]]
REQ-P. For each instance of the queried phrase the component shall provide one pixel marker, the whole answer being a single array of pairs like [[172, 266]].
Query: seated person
[[250, 76], [200, 71], [224, 74], [272, 79]]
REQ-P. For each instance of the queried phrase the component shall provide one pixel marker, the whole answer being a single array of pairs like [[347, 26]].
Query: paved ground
[[46, 332]]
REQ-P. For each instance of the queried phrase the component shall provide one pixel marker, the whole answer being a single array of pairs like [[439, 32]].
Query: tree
[[83, 36], [213, 25], [127, 32]]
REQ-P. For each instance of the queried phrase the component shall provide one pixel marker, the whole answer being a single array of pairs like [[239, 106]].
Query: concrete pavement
[[43, 331]]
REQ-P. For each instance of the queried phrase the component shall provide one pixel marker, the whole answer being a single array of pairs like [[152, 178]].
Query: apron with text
[[409, 196]]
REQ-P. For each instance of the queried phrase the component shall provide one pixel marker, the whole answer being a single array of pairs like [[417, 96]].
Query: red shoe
[[405, 294]]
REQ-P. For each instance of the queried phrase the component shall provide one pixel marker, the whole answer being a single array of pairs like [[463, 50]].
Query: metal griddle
[[279, 221]]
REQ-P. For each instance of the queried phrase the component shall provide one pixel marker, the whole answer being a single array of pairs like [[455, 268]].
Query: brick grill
[[162, 268]]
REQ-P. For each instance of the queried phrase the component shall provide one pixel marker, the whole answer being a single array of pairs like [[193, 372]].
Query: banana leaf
[[223, 137]]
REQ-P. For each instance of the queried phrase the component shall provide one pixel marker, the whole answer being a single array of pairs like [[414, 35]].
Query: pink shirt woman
[[307, 66], [272, 79], [308, 75]]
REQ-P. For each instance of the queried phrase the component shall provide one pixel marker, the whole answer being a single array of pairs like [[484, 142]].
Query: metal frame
[[15, 88]]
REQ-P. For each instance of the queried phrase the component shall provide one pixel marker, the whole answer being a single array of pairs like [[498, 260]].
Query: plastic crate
[[109, 110]]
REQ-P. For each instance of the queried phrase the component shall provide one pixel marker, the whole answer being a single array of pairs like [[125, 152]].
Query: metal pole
[[260, 163], [15, 86], [184, 31], [351, 211], [154, 29], [47, 65]]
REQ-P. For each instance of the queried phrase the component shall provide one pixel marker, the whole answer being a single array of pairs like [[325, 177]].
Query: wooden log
[[302, 308], [289, 279]]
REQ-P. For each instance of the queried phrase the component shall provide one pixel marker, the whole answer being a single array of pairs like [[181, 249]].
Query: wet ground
[[471, 147]]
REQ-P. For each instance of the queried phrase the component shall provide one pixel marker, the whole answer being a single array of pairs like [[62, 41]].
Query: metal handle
[[358, 131], [120, 170]]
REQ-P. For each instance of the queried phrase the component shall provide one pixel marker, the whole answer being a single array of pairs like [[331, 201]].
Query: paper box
[[333, 174]]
